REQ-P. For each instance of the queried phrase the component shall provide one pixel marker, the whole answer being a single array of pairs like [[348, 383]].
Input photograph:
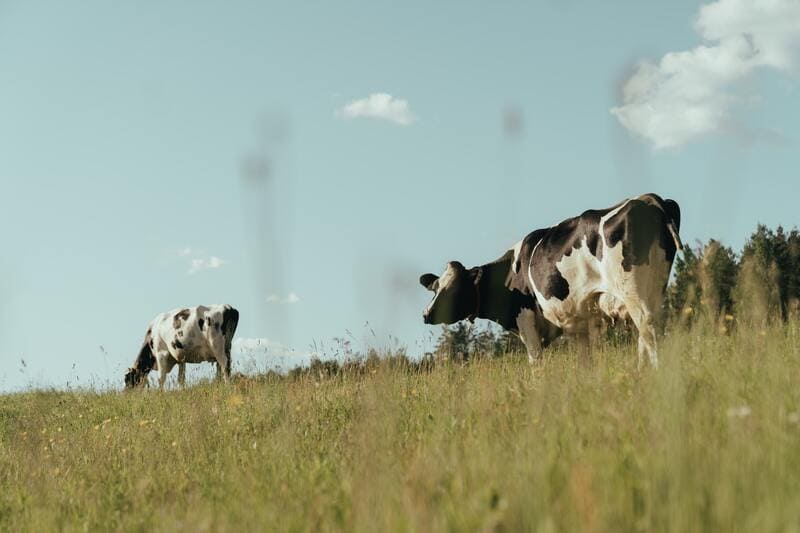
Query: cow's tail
[[673, 213], [230, 319]]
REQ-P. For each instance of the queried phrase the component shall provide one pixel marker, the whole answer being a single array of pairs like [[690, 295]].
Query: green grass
[[710, 441]]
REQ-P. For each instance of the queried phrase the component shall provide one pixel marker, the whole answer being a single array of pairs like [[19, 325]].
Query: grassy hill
[[709, 441]]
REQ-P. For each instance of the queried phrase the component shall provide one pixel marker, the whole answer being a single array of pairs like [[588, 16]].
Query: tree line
[[758, 285]]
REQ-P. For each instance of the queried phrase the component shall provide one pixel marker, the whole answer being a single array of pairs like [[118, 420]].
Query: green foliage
[[357, 365], [682, 293], [709, 442], [704, 281], [718, 274], [758, 286], [769, 285], [463, 341]]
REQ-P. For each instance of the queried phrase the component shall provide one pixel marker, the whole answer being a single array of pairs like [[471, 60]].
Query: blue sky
[[159, 155]]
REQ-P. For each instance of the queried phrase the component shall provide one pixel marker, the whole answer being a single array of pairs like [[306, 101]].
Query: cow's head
[[134, 377], [144, 363], [455, 295]]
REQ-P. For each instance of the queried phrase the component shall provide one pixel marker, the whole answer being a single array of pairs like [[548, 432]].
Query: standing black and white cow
[[615, 261], [189, 335]]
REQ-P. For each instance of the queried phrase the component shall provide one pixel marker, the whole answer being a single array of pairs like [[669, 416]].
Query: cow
[[561, 279], [189, 335]]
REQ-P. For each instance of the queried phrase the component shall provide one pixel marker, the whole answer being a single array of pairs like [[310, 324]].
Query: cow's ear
[[456, 265], [427, 281]]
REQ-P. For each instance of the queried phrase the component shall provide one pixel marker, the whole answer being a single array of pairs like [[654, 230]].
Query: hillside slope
[[709, 441]]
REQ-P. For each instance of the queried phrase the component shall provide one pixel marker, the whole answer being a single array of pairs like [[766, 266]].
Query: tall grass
[[710, 441]]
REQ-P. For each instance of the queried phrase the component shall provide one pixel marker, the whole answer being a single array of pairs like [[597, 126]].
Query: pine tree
[[758, 287], [704, 281], [454, 342], [463, 341], [793, 273], [682, 294], [718, 270]]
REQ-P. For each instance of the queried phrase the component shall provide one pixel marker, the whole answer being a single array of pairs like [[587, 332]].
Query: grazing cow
[[615, 261], [189, 335]]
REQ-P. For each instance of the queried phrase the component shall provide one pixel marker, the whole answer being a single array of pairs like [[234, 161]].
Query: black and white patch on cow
[[559, 279], [615, 260], [189, 335]]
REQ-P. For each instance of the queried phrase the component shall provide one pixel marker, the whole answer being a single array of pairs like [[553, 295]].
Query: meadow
[[709, 441]]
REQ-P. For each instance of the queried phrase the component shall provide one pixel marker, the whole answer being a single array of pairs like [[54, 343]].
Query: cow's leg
[[642, 296], [228, 343], [579, 332], [223, 367], [526, 324], [645, 324], [182, 374], [165, 364], [222, 355], [647, 339], [584, 346], [222, 361], [220, 371], [533, 347], [642, 299], [594, 332], [595, 329], [217, 345]]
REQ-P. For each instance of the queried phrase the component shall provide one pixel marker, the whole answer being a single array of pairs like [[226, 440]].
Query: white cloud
[[204, 263], [291, 298], [380, 106], [690, 94], [198, 260]]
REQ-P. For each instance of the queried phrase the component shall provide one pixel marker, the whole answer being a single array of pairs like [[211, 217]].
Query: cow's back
[[185, 333]]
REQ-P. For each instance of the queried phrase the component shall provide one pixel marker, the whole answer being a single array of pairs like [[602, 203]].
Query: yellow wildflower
[[235, 400]]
